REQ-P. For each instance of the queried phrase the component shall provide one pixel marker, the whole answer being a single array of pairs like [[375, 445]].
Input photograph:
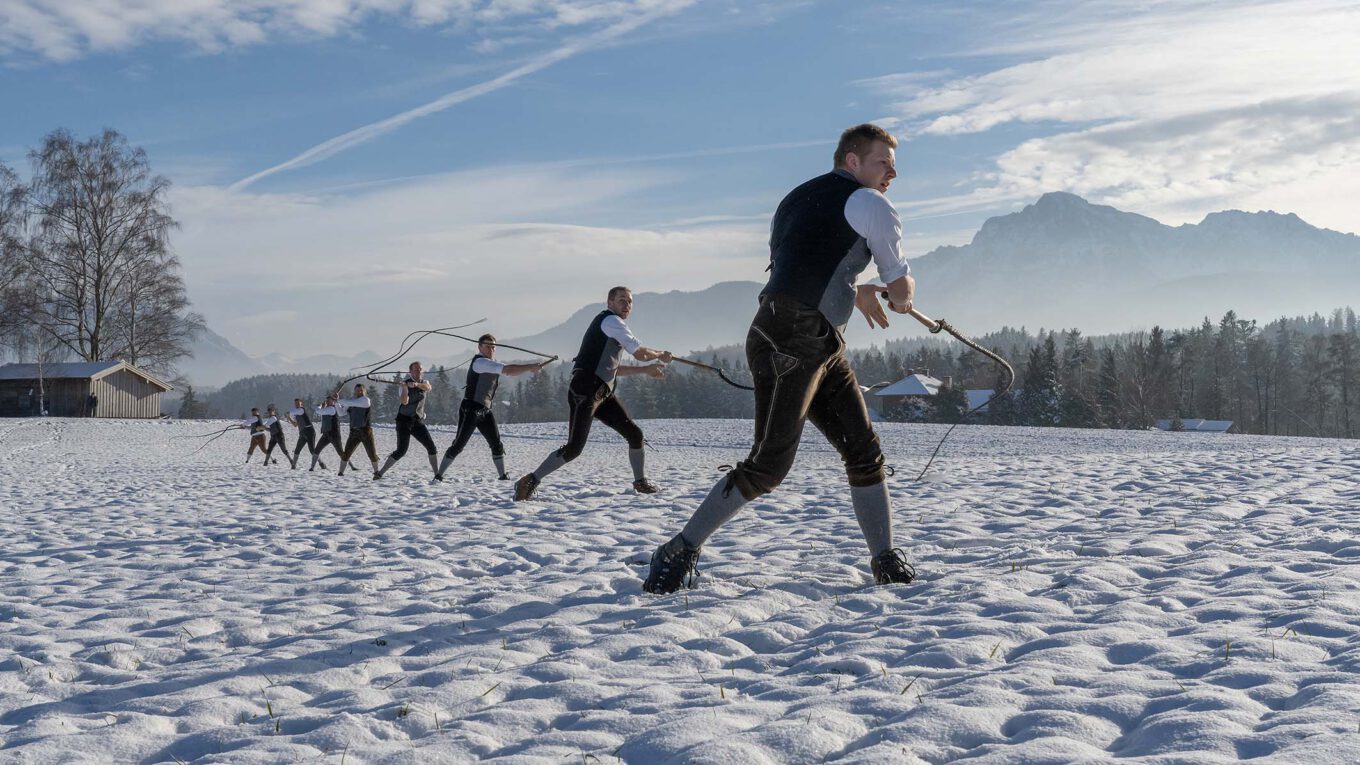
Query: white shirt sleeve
[[485, 366], [613, 327], [322, 411], [362, 402], [873, 217], [269, 421]]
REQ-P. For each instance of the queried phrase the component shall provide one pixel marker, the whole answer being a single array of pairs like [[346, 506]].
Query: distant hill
[[1064, 262], [677, 321], [1058, 263]]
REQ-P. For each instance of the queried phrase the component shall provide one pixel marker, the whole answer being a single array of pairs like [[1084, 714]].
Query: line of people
[[474, 415], [824, 234]]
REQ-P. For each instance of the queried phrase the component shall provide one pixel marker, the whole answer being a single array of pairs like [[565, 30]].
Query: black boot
[[891, 567], [674, 565]]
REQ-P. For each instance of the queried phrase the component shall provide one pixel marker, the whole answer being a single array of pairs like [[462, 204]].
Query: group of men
[[823, 235], [266, 431]]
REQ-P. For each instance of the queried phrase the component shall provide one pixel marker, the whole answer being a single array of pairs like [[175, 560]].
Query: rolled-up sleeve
[[613, 327], [485, 366], [873, 217]]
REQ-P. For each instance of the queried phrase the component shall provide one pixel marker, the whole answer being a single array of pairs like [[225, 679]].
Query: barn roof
[[911, 385], [77, 370]]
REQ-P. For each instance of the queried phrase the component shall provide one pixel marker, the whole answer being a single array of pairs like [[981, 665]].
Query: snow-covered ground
[[1083, 596]]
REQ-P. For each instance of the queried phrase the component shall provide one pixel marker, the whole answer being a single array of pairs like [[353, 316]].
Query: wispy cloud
[[1171, 109], [67, 30], [375, 130]]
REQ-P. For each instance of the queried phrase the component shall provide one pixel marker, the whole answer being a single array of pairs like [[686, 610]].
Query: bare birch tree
[[107, 284]]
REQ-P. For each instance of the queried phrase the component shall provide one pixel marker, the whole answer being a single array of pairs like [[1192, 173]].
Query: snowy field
[[1083, 596]]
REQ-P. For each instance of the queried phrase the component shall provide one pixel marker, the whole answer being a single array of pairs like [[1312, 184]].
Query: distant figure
[[483, 378], [257, 433], [275, 435], [590, 394], [330, 432], [411, 419], [306, 432], [360, 409], [91, 403]]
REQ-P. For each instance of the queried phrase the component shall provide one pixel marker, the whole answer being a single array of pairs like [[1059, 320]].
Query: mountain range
[[1059, 262]]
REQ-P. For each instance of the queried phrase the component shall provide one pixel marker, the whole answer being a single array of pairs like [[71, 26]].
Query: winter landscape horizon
[[1132, 220]]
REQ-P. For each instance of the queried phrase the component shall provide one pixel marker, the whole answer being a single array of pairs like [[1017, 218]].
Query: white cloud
[[67, 30], [363, 268], [374, 130], [1171, 110]]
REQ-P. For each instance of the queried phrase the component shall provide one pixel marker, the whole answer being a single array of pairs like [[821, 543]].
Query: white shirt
[[296, 411], [485, 366], [873, 217], [362, 402], [269, 421], [322, 411], [613, 327]]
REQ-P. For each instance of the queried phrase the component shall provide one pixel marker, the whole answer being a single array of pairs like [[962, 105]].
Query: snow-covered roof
[[65, 370], [75, 370], [1198, 426], [911, 385]]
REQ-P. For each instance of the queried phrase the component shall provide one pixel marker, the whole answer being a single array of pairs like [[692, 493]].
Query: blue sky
[[593, 142]]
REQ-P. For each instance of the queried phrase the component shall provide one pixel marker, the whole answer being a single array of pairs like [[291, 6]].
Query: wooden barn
[[119, 390]]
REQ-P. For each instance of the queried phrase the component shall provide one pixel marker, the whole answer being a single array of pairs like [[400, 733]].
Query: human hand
[[866, 300]]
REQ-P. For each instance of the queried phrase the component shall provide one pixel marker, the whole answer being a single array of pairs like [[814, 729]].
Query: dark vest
[[415, 403], [304, 420], [329, 422], [481, 387], [276, 427], [257, 426], [815, 255], [599, 352], [358, 416]]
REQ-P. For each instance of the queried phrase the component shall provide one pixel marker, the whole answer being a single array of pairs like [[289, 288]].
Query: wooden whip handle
[[931, 324]]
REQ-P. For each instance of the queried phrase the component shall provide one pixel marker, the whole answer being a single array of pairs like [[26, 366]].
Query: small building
[[120, 390], [1195, 426]]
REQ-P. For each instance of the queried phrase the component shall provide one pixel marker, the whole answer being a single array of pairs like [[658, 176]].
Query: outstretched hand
[[866, 300], [656, 371]]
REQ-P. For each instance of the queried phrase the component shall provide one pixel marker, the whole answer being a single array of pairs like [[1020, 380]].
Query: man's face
[[621, 304], [255, 412], [358, 390], [487, 349], [297, 402], [416, 370], [875, 169]]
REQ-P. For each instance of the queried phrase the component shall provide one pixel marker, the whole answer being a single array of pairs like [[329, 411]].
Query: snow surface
[[1084, 596]]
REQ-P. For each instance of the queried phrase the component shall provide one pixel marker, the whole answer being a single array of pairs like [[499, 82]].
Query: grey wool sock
[[499, 462], [722, 502], [874, 514], [553, 462], [638, 459]]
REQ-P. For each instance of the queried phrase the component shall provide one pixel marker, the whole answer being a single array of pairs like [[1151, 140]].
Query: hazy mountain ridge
[[1059, 262]]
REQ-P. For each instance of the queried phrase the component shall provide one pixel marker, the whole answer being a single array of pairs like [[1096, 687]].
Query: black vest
[[415, 403], [304, 421], [358, 416], [599, 352], [276, 427], [481, 387], [815, 255], [329, 422], [257, 426]]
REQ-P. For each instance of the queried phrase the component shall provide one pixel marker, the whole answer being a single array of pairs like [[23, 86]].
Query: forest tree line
[[1298, 376]]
